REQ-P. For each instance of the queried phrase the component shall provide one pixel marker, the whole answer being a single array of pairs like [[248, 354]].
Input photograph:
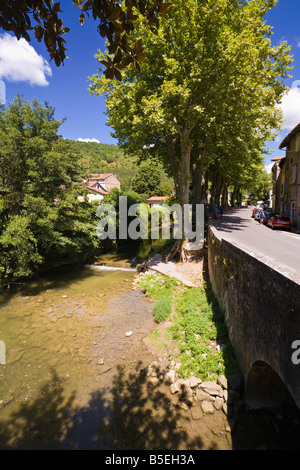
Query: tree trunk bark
[[184, 179], [171, 142]]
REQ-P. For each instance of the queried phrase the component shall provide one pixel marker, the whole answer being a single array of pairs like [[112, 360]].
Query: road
[[279, 249]]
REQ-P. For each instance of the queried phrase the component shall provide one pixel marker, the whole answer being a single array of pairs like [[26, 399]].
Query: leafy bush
[[162, 309]]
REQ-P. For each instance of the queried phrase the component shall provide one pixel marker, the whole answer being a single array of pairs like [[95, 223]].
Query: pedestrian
[[261, 217], [215, 212], [221, 211]]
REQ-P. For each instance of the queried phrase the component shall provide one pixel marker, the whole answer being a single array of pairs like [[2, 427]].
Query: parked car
[[267, 216], [280, 221], [255, 210], [257, 214]]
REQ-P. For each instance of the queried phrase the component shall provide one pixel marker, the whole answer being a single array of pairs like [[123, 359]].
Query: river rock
[[218, 403], [223, 381], [184, 386], [174, 388], [207, 407], [227, 410], [202, 395], [194, 381], [197, 412], [154, 381], [212, 388], [128, 333], [169, 377]]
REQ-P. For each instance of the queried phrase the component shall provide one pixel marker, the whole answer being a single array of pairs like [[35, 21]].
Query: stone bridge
[[262, 312]]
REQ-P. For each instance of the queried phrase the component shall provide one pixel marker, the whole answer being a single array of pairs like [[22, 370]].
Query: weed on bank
[[197, 326]]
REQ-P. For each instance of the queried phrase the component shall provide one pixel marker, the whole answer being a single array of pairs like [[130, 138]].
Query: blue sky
[[65, 87]]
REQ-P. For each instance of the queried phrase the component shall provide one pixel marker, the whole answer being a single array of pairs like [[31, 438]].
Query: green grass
[[198, 326], [157, 286], [162, 309]]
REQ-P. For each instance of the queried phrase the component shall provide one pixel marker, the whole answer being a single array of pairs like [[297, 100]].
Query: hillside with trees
[[103, 158]]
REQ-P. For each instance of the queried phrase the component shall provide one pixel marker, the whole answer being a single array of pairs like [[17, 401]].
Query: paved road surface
[[277, 248]]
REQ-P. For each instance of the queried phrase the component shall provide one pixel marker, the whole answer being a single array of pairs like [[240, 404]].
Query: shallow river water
[[64, 336]]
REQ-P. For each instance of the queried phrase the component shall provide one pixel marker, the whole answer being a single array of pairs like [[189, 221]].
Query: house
[[157, 201], [276, 183], [98, 185], [288, 181]]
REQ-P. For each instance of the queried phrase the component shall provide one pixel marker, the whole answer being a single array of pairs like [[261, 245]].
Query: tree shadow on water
[[143, 417], [133, 415], [137, 416], [41, 424]]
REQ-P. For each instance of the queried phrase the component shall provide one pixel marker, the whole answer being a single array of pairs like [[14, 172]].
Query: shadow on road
[[231, 221]]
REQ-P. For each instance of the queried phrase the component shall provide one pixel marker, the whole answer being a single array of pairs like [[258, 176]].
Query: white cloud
[[290, 106], [19, 62], [268, 167], [88, 140]]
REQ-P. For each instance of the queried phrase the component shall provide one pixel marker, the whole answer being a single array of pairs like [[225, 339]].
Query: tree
[[116, 21], [206, 97], [166, 189], [41, 218], [258, 188], [146, 180]]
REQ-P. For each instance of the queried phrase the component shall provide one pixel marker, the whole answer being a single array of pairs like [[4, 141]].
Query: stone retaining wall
[[261, 307]]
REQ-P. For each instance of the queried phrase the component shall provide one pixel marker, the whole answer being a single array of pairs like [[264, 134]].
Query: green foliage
[[204, 54], [103, 158], [147, 180], [166, 189], [115, 21], [162, 309], [198, 326], [157, 286], [259, 186], [113, 199], [41, 220]]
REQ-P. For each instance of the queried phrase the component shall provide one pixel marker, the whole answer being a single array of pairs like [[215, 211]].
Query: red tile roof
[[100, 176], [157, 198], [96, 190]]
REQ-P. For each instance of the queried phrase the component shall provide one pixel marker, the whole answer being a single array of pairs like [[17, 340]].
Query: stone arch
[[265, 389]]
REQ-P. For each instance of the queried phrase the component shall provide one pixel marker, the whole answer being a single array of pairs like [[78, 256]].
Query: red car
[[255, 211], [279, 221]]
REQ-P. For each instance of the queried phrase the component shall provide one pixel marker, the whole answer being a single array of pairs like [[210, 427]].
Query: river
[[65, 334]]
